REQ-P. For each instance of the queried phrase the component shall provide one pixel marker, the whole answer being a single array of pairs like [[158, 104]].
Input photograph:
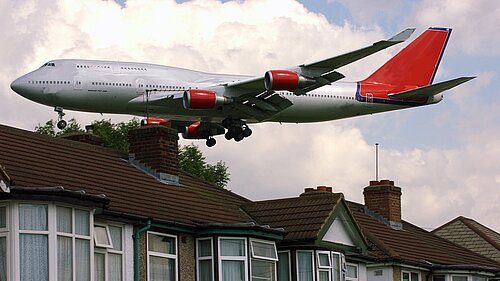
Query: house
[[71, 210], [472, 235]]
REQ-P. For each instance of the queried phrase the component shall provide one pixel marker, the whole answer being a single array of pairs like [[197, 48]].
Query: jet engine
[[153, 121], [203, 99], [285, 80], [198, 130]]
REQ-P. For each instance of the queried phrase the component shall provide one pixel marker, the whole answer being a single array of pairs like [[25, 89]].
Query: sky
[[445, 157]]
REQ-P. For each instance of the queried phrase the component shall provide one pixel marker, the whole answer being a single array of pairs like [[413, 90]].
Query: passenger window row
[[113, 84], [49, 82]]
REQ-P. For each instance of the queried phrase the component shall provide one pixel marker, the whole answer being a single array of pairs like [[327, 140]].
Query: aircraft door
[[78, 83], [139, 86]]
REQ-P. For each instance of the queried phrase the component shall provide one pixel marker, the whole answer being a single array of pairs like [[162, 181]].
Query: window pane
[[352, 271], [233, 270], [406, 276], [64, 220], [32, 217], [324, 260], [458, 278], [205, 270], [479, 278], [99, 271], [264, 249], [205, 248], [3, 217], [304, 266], [161, 244], [116, 237], [232, 247], [3, 258], [101, 236], [324, 276], [33, 256], [115, 267], [336, 266], [263, 270], [82, 224], [283, 267], [82, 259], [442, 278], [161, 269], [64, 258], [414, 276]]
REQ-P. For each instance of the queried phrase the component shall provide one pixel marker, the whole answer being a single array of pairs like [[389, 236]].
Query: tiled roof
[[301, 217], [33, 160], [472, 235], [413, 244]]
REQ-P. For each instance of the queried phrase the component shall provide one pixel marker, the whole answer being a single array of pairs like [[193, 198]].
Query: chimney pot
[[308, 189]]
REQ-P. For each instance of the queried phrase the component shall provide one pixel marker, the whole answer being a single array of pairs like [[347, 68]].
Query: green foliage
[[191, 160], [115, 136]]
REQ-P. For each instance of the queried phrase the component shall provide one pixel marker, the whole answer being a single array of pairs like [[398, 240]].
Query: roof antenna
[[376, 161]]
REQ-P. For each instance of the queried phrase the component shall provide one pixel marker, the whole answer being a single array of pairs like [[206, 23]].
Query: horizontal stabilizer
[[430, 90]]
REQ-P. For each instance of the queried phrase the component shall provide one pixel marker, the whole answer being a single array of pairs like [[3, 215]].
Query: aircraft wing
[[430, 90]]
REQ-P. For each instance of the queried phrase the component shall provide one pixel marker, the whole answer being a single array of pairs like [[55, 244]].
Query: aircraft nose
[[16, 85]]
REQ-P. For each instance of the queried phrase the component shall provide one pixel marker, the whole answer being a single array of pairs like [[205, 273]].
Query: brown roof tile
[[35, 160]]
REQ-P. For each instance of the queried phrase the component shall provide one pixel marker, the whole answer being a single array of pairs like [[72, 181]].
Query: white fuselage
[[109, 87]]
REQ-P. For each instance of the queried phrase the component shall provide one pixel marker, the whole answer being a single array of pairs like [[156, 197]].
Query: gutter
[[137, 236]]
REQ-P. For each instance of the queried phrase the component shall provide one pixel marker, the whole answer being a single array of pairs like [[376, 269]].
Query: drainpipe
[[137, 236]]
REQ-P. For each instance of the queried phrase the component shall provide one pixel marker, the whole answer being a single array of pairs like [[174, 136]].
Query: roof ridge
[[469, 224]]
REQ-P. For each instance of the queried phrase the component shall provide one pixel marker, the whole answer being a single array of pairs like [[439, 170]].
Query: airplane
[[202, 105]]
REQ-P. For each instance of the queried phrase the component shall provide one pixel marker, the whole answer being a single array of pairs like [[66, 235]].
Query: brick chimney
[[316, 191], [154, 149], [384, 198], [85, 137]]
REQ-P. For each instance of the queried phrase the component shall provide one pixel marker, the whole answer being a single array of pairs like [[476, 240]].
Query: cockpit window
[[49, 64]]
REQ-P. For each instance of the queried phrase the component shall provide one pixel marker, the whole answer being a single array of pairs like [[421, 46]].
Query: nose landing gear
[[61, 123]]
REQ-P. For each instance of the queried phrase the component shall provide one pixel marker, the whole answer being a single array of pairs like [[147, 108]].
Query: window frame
[[322, 268], [211, 257], [253, 255], [312, 261], [163, 255], [108, 234], [289, 260], [4, 233], [357, 271], [107, 251], [458, 275], [410, 273], [243, 258]]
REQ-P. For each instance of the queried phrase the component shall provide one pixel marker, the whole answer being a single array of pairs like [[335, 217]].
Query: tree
[[191, 160], [115, 136]]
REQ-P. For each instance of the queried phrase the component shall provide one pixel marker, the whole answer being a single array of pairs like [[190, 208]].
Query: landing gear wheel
[[61, 124], [247, 132], [211, 142], [238, 137], [228, 135]]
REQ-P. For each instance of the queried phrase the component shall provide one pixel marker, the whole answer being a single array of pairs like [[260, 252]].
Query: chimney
[[384, 198], [85, 137], [319, 190], [154, 149]]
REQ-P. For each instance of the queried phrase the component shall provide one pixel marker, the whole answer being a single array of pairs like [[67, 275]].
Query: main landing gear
[[61, 123], [236, 129], [210, 142]]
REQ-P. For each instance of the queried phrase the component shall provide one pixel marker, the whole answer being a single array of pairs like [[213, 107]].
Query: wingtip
[[402, 36]]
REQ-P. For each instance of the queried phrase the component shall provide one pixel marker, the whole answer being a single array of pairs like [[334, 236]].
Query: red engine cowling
[[193, 131], [198, 130], [153, 121], [284, 80], [202, 99]]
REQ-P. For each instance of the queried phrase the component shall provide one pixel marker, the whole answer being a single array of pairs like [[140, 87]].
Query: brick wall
[[384, 198]]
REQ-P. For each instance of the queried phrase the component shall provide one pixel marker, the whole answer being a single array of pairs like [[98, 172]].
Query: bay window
[[162, 257], [204, 259], [233, 259]]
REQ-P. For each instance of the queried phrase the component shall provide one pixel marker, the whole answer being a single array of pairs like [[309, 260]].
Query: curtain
[[64, 258], [336, 266], [205, 248], [161, 269], [82, 259], [33, 254], [305, 269], [232, 247], [32, 217], [3, 258], [82, 222], [64, 220], [99, 264], [283, 267], [161, 244], [233, 270], [205, 270], [115, 267], [263, 270], [116, 237]]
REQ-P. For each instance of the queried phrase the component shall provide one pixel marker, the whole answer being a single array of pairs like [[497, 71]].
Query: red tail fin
[[417, 63]]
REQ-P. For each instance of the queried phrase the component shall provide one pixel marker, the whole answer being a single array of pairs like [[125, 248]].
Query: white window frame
[[211, 257], [263, 242], [410, 272], [341, 265], [289, 260], [108, 234], [312, 260], [107, 251], [52, 234], [357, 271], [233, 258], [4, 232], [322, 268], [163, 255]]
